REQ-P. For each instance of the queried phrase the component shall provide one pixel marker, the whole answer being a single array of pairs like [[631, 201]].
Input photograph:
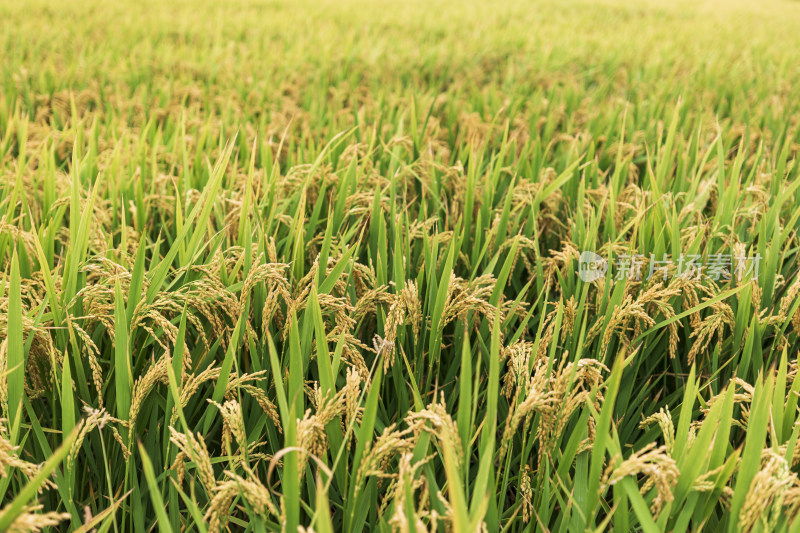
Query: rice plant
[[430, 266]]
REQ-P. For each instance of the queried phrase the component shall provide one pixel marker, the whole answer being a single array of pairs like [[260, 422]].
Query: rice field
[[420, 266]]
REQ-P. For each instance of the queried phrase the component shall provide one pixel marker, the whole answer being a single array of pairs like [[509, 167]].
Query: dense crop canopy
[[418, 266]]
